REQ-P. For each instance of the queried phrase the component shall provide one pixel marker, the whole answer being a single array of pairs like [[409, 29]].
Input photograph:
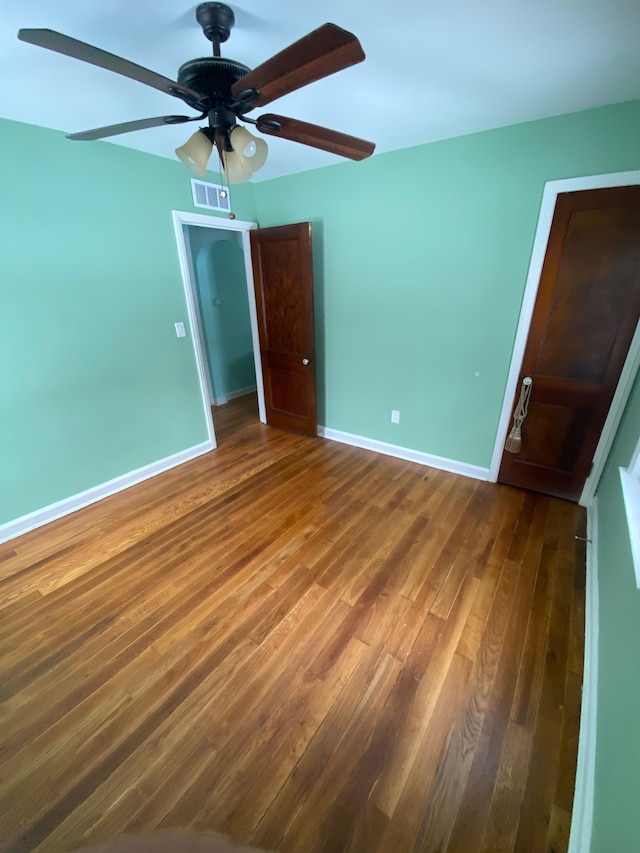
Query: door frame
[[181, 218], [551, 191]]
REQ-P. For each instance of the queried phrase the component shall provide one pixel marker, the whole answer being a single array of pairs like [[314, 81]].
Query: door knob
[[305, 361]]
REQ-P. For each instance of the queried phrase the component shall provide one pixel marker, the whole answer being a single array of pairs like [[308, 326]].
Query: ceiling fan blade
[[319, 54], [127, 127], [51, 40], [316, 136]]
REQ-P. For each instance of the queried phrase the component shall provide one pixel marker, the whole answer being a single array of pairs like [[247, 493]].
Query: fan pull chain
[[513, 444]]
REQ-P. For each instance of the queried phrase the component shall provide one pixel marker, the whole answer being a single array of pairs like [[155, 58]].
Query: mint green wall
[[618, 743], [93, 381], [197, 239], [218, 261], [422, 257], [226, 265]]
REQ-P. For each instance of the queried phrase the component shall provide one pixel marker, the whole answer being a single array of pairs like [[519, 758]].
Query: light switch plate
[[180, 332]]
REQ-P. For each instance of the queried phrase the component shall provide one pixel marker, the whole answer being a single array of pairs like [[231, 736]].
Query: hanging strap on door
[[513, 444]]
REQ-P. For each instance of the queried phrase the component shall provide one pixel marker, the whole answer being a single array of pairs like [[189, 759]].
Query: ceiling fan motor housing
[[212, 77]]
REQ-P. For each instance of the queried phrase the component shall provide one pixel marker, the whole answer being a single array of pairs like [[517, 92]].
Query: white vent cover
[[211, 196]]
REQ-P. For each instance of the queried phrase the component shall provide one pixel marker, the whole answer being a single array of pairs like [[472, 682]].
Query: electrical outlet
[[395, 416]]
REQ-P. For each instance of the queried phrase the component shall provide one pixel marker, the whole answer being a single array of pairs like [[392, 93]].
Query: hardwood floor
[[302, 645]]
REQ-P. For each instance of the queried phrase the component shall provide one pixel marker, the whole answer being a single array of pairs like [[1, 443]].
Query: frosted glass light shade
[[260, 157], [195, 153], [236, 167], [242, 141], [251, 147]]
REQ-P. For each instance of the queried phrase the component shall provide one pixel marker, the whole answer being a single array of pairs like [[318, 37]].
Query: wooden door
[[283, 274], [584, 319]]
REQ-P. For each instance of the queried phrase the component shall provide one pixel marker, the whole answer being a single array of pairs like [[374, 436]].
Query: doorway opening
[[215, 261]]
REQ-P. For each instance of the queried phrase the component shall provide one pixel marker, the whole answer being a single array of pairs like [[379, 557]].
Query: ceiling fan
[[223, 91]]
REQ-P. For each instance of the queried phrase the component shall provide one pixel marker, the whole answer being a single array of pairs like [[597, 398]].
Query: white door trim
[[551, 191], [180, 218]]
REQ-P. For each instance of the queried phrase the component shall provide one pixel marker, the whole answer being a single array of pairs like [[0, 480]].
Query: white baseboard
[[232, 395], [452, 465], [18, 526], [582, 814]]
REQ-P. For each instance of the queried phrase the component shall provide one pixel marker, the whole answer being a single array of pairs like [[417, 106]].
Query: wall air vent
[[211, 196]]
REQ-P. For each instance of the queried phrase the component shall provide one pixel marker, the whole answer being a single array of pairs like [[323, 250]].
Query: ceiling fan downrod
[[216, 20]]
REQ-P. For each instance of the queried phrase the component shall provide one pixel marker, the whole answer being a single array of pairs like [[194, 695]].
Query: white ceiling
[[433, 69]]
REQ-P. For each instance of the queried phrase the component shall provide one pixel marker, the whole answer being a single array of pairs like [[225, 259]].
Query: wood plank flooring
[[302, 645]]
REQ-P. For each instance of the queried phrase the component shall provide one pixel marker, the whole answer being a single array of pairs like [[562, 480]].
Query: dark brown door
[[586, 312], [282, 269]]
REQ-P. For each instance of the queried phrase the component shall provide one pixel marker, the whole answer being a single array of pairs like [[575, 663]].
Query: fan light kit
[[223, 91]]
